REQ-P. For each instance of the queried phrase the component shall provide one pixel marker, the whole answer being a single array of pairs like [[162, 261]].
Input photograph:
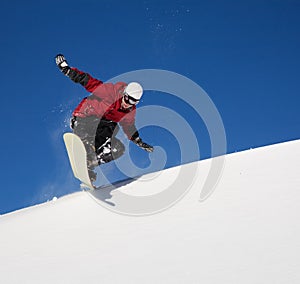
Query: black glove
[[62, 64], [139, 142]]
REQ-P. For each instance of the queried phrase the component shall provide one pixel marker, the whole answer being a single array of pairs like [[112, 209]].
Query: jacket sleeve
[[128, 125], [85, 79]]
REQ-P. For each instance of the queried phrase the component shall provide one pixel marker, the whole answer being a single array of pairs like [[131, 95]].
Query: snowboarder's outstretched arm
[[140, 143], [77, 76], [128, 125]]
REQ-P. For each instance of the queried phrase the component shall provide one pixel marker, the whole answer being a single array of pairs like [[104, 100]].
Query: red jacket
[[105, 102]]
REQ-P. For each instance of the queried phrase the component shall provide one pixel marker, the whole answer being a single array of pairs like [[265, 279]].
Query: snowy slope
[[247, 231]]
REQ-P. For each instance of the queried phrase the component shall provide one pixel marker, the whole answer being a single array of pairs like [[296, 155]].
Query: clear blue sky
[[244, 54]]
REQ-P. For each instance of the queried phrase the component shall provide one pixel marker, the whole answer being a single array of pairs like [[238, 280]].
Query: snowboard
[[77, 156]]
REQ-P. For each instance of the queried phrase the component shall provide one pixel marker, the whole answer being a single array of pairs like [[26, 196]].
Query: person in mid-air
[[95, 120]]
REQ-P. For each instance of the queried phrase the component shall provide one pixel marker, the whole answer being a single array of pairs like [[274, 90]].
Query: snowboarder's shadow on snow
[[103, 193]]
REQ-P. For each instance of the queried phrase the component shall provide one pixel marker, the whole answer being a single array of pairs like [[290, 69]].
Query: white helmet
[[134, 90]]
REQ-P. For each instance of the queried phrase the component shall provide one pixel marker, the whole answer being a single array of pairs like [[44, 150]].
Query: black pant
[[95, 133]]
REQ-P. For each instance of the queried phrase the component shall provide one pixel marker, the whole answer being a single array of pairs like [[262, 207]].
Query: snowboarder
[[95, 120]]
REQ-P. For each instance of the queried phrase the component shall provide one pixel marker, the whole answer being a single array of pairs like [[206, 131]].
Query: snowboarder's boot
[[92, 175]]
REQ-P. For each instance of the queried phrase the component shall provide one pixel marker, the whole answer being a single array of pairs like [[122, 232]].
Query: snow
[[247, 231]]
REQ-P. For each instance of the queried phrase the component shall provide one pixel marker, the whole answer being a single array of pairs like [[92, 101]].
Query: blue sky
[[244, 54]]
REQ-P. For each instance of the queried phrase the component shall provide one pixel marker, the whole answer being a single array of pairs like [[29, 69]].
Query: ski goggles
[[130, 100]]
